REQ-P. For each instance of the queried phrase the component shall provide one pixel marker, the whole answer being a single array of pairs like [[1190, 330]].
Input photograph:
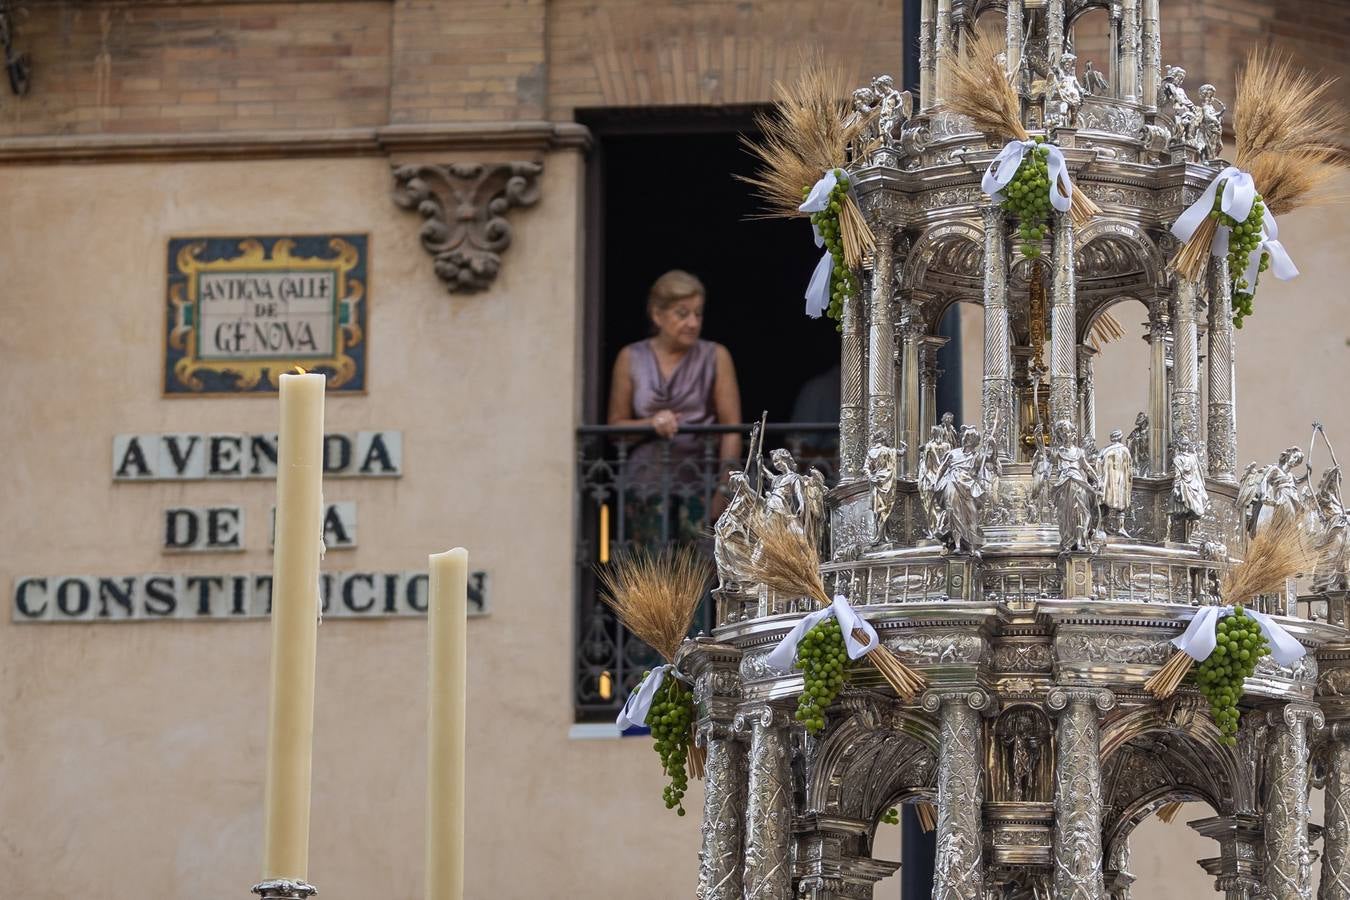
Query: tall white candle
[[295, 599], [447, 672]]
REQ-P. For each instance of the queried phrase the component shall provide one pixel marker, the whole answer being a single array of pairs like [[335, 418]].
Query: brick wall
[[124, 68], [468, 60], [635, 53], [155, 66]]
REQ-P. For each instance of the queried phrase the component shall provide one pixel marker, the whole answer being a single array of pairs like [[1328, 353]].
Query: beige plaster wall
[[131, 755]]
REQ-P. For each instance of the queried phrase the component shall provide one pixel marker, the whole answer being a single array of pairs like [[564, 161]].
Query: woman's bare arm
[[727, 402]]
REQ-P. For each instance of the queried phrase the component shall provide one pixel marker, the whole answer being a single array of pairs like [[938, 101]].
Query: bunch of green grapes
[[892, 817], [822, 656], [1239, 648], [1243, 238], [843, 283], [670, 717], [1027, 196]]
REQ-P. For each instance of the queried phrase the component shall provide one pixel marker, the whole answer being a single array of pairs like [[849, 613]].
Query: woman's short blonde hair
[[672, 287]]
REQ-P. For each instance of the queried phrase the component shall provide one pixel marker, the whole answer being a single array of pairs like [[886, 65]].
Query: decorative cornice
[[463, 206], [516, 137]]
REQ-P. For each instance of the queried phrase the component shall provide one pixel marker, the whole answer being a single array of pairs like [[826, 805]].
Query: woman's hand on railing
[[666, 423]]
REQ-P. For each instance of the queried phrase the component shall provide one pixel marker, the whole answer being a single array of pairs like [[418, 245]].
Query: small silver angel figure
[[883, 468], [733, 543], [1137, 443], [1074, 489], [1064, 95], [1117, 480], [1094, 82], [1039, 496], [1332, 572], [894, 109], [963, 484], [862, 117], [931, 456], [1190, 498], [1209, 129]]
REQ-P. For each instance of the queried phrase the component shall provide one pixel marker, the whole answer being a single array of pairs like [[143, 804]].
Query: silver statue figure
[[1117, 480], [733, 543], [862, 118], [787, 494], [931, 456], [948, 426], [1040, 475], [894, 109], [1137, 443], [1332, 572], [1074, 490], [1065, 94], [963, 484], [1094, 82], [883, 468], [1185, 115], [1273, 493], [814, 516], [1209, 130], [1190, 498]]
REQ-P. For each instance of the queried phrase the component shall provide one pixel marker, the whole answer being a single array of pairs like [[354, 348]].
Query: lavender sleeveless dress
[[688, 392]]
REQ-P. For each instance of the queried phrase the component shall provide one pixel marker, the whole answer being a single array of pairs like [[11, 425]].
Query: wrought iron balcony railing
[[637, 490]]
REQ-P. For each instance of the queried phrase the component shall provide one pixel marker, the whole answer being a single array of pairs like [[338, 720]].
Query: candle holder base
[[284, 889]]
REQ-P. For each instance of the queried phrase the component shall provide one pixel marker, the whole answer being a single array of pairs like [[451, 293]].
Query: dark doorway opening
[[665, 196]]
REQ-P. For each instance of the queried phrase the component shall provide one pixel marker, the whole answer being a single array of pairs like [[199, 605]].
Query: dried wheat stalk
[[786, 562], [927, 816], [1277, 553], [980, 91], [806, 133], [1286, 129], [1168, 811], [656, 597]]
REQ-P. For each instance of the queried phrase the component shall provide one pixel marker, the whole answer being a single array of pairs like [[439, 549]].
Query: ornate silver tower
[[1036, 742]]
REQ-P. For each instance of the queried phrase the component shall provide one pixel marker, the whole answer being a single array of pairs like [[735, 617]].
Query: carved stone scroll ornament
[[464, 208]]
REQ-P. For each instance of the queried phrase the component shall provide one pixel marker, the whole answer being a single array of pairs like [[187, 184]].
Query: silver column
[[929, 373], [942, 46], [1185, 367], [1014, 36], [1159, 413], [881, 347], [1118, 877], [1054, 29], [1288, 873], [927, 56], [1222, 427], [719, 868], [1336, 816], [1078, 792], [959, 870], [997, 399], [1063, 323], [768, 817], [911, 333], [1087, 397], [1128, 87], [852, 411], [1236, 870], [1113, 51], [1152, 49]]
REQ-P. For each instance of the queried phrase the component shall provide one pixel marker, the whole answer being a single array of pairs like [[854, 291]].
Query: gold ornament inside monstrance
[[1034, 401]]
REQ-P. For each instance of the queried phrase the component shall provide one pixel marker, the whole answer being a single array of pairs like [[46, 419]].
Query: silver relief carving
[[959, 873], [1078, 794], [1288, 872], [724, 811]]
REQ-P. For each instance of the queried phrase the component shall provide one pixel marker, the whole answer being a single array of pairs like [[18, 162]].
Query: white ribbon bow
[[634, 712], [1201, 636], [818, 289], [1239, 193], [785, 653], [1001, 171]]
